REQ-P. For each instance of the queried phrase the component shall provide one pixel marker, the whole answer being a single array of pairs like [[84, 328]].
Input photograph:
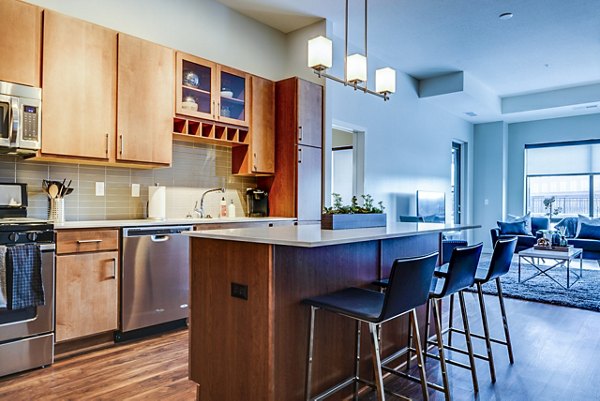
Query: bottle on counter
[[231, 210], [223, 208]]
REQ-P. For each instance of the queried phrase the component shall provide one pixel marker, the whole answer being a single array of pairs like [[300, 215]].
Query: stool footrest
[[334, 389], [462, 351], [412, 378], [479, 336], [450, 361]]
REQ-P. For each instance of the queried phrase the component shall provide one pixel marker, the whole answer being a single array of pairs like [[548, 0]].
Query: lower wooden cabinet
[[87, 283], [86, 294]]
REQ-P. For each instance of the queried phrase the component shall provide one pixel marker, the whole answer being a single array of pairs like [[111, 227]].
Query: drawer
[[74, 241]]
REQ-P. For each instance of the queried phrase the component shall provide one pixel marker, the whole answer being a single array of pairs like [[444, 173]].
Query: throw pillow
[[587, 220], [513, 228], [526, 218], [589, 231], [570, 225]]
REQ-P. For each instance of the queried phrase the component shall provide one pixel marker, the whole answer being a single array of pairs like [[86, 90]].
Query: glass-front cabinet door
[[232, 102], [195, 87]]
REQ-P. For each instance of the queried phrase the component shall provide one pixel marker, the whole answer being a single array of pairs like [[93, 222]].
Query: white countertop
[[167, 222], [312, 236]]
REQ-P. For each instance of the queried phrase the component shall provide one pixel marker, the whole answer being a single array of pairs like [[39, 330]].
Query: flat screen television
[[431, 206]]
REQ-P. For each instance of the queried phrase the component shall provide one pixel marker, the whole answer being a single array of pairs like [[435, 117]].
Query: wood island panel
[[256, 349], [231, 341]]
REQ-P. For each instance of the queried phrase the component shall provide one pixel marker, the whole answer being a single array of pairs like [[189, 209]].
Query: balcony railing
[[568, 204]]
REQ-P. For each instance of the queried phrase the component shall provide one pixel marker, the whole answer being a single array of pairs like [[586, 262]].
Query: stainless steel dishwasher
[[155, 276]]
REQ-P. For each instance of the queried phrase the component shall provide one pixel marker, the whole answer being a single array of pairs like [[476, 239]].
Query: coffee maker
[[258, 202]]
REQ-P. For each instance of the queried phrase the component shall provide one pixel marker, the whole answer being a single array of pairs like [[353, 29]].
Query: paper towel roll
[[157, 202]]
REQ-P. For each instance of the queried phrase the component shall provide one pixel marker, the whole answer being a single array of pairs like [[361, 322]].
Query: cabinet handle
[[299, 155], [219, 108], [254, 164], [213, 108], [114, 275], [122, 144], [300, 134], [107, 144], [88, 241]]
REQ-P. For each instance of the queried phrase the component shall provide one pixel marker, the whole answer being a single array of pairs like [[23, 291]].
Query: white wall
[[408, 142], [489, 178], [204, 28]]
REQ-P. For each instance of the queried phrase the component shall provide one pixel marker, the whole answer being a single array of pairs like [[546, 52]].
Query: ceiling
[[548, 44]]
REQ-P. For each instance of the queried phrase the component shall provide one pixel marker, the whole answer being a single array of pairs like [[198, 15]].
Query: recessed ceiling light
[[471, 114], [505, 16]]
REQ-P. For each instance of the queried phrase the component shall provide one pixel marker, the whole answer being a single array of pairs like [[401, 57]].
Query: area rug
[[584, 294]]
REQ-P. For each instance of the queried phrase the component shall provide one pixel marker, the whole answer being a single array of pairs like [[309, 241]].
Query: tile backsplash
[[196, 167]]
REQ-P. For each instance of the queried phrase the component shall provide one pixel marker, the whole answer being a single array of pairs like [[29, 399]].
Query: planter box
[[347, 221]]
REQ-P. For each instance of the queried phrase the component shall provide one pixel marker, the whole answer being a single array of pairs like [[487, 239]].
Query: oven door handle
[[14, 122]]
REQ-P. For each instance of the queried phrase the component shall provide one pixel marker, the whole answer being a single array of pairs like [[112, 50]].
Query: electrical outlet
[[100, 189], [239, 291], [135, 190]]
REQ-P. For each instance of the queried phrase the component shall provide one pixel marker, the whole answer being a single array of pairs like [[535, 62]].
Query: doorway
[[456, 182], [347, 163]]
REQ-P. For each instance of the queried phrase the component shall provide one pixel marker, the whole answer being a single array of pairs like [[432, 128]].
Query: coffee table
[[561, 258]]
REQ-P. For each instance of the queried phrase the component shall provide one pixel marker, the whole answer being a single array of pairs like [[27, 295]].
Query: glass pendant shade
[[385, 80], [356, 68], [320, 53]]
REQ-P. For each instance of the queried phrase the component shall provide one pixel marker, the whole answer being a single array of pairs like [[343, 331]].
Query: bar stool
[[499, 266], [450, 279], [409, 284]]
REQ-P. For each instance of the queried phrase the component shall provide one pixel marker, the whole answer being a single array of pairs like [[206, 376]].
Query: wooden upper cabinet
[[233, 96], [146, 78], [211, 91], [21, 36], [194, 86], [310, 105], [262, 128], [79, 88]]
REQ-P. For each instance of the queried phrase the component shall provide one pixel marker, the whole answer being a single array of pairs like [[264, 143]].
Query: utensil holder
[[57, 210]]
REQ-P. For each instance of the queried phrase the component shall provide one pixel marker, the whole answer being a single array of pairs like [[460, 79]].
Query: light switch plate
[[135, 190], [100, 189]]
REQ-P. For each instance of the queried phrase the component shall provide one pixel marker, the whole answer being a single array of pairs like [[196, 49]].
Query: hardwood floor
[[556, 358], [154, 369]]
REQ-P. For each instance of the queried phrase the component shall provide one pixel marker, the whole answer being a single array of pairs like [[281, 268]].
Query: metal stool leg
[[419, 351], [505, 321], [450, 320], [409, 344], [465, 319], [440, 344], [357, 362], [376, 361], [311, 336], [486, 333]]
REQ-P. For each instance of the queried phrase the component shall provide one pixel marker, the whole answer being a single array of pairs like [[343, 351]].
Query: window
[[569, 172]]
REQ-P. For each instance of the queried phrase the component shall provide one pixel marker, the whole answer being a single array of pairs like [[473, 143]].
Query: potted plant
[[340, 216], [549, 206]]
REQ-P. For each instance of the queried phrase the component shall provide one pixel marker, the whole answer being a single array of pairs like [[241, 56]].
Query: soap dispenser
[[223, 208], [231, 210]]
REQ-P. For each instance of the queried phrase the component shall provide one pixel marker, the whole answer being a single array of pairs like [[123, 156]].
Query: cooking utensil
[[53, 191]]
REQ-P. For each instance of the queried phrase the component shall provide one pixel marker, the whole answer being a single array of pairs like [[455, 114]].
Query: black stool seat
[[354, 302], [408, 288]]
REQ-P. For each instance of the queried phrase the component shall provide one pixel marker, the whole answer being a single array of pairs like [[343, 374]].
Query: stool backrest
[[501, 258], [409, 284], [461, 268]]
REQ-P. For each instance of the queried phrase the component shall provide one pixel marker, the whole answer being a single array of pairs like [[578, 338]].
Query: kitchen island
[[249, 330]]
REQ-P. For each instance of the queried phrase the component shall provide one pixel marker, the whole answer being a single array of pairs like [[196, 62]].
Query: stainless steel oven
[[20, 118], [26, 334]]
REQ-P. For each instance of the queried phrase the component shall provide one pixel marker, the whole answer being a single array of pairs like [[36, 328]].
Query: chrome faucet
[[200, 210]]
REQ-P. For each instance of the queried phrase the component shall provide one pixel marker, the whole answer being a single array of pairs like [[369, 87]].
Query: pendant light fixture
[[320, 58]]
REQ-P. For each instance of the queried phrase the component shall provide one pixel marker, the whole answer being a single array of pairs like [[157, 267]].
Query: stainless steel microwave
[[20, 118]]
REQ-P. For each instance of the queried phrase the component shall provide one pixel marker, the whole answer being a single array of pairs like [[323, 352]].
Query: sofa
[[591, 247], [524, 241]]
